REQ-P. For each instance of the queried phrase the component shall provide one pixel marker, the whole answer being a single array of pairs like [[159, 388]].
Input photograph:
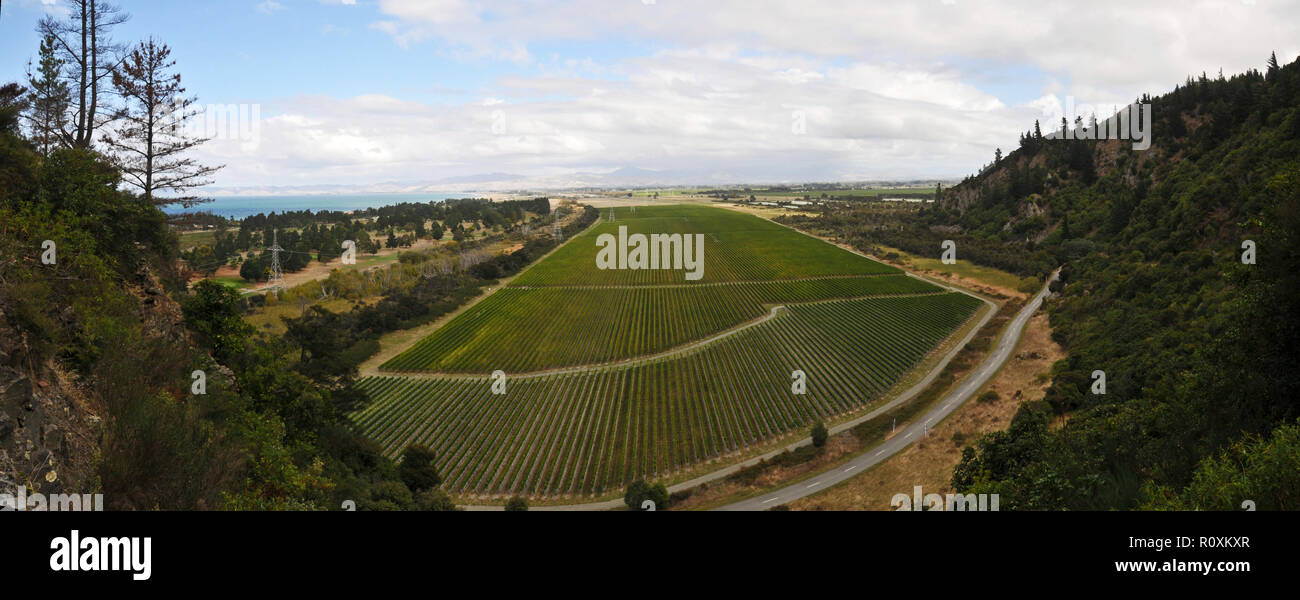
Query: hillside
[[116, 377], [1197, 347]]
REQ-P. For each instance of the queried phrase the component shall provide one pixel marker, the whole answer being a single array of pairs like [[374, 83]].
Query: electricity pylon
[[277, 275]]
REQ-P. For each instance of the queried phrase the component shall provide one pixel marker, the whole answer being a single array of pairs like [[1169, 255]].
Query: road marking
[[909, 435], [879, 453], [851, 467], [813, 484], [771, 500]]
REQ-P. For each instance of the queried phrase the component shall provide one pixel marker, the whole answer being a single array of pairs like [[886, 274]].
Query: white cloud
[[1105, 44], [269, 7], [882, 90], [671, 113]]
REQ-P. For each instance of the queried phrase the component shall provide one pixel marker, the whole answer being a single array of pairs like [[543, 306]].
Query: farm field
[[737, 248], [590, 433], [546, 328], [618, 375], [564, 312]]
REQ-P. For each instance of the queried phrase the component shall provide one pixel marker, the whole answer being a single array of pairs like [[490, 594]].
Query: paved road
[[912, 432]]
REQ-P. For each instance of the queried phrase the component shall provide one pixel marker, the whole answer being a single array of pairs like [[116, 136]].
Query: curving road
[[910, 433]]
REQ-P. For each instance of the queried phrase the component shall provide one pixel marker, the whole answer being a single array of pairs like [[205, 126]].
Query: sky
[[354, 92]]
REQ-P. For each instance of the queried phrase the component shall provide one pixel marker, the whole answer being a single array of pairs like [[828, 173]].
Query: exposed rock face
[[50, 428], [46, 438]]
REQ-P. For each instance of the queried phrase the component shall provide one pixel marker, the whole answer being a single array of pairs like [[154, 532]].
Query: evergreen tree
[[49, 99], [150, 145]]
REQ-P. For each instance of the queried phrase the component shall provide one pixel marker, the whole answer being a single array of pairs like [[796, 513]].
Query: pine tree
[[150, 144], [49, 99], [12, 105]]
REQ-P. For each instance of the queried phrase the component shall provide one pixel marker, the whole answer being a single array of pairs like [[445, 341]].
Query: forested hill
[[1198, 349]]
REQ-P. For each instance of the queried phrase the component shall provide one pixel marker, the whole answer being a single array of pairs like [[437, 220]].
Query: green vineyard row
[[592, 432], [737, 247], [520, 330]]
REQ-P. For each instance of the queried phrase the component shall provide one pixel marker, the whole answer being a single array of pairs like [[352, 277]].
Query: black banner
[[312, 550]]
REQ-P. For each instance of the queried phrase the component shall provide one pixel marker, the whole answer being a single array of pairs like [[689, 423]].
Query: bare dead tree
[[150, 139], [89, 54]]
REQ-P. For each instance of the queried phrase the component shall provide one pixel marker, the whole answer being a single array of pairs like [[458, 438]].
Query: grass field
[[234, 282], [658, 374], [962, 268]]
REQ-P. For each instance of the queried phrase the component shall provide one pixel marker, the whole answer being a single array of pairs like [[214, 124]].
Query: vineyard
[[519, 330], [739, 247], [590, 433], [615, 375]]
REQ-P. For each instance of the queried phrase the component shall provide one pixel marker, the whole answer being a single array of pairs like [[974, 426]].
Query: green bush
[[819, 434], [517, 504], [639, 491], [417, 469]]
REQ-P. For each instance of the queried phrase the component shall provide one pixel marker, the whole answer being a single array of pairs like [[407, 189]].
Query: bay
[[238, 207]]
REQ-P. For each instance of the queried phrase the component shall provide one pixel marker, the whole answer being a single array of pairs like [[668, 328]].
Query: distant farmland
[[616, 375]]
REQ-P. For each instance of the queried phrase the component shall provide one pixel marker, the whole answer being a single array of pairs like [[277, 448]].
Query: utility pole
[[277, 276]]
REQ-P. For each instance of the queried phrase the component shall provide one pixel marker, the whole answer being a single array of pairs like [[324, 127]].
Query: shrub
[[517, 504], [639, 491], [1029, 285], [819, 434], [434, 500], [417, 469]]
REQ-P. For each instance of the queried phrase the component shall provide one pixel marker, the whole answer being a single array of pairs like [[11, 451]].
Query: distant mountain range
[[625, 177]]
